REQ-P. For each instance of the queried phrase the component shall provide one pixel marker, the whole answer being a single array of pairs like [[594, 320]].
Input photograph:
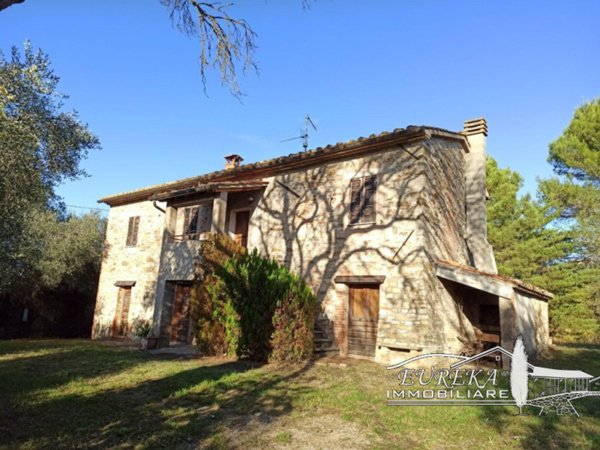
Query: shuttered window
[[362, 201], [132, 231], [190, 222]]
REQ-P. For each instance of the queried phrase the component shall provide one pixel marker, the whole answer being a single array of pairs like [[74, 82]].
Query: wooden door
[[363, 316], [180, 320], [242, 219], [119, 326]]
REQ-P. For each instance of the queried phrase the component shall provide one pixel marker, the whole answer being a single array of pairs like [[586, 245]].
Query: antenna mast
[[304, 136]]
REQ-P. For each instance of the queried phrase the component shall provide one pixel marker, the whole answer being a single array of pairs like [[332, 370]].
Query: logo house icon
[[549, 390]]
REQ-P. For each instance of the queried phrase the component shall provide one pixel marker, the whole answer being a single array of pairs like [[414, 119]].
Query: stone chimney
[[480, 251], [232, 161]]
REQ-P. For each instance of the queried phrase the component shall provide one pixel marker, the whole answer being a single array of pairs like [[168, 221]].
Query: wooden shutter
[[186, 221], [205, 217], [368, 207], [355, 199], [193, 227], [132, 231], [190, 222]]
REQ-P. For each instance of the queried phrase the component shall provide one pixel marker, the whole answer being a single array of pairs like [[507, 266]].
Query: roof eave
[[513, 282], [297, 160]]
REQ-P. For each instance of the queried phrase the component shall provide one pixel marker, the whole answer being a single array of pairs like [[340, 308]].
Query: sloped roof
[[295, 160], [223, 186], [502, 279]]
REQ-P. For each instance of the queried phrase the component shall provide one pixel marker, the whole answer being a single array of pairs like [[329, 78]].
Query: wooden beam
[[359, 279]]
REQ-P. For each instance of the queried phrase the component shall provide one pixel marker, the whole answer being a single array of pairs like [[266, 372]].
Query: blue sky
[[356, 67]]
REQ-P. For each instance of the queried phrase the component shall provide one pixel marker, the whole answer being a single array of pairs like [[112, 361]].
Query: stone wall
[[302, 220], [122, 263], [443, 225]]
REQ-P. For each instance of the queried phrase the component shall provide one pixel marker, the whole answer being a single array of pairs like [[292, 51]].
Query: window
[[196, 220], [362, 203], [190, 222], [132, 231]]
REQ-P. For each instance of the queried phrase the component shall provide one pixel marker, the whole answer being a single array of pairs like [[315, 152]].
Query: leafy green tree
[[40, 146]]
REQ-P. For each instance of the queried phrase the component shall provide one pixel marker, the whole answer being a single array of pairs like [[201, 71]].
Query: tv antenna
[[304, 136]]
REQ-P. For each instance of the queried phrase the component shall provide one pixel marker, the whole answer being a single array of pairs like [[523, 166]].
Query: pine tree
[[529, 245], [526, 247], [574, 196]]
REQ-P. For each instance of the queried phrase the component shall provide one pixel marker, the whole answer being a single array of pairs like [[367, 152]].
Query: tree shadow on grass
[[182, 409], [54, 363]]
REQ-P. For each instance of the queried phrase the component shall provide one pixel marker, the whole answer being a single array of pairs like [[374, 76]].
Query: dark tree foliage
[[59, 289]]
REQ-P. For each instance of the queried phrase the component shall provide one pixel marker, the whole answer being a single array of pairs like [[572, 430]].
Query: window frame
[[133, 228], [365, 213], [187, 219]]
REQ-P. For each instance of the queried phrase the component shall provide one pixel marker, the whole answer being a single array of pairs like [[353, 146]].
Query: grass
[[81, 394]]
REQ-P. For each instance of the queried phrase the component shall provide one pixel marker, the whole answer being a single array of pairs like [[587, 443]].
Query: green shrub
[[208, 307], [293, 323], [258, 309], [143, 329]]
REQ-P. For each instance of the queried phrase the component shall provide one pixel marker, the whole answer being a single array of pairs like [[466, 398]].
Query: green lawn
[[66, 394]]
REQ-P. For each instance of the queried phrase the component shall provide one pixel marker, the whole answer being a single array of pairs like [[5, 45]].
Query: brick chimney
[[232, 161], [481, 252]]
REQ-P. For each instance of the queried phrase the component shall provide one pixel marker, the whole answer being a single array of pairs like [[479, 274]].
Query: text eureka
[[480, 383]]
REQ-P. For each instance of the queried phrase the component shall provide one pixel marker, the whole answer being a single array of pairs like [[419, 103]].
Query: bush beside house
[[250, 306]]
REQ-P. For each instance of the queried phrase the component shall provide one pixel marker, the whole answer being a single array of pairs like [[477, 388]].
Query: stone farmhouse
[[389, 230]]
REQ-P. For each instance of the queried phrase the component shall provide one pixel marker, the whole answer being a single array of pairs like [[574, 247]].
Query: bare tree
[[226, 43]]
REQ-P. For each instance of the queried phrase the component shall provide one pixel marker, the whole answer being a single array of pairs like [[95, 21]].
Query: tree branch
[[6, 3], [225, 42]]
